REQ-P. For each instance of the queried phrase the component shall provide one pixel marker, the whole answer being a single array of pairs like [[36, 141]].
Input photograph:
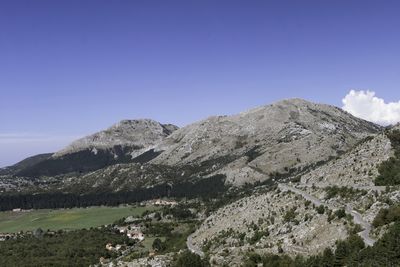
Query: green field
[[77, 218]]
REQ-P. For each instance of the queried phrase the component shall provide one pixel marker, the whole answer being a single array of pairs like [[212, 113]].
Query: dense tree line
[[85, 161], [204, 188]]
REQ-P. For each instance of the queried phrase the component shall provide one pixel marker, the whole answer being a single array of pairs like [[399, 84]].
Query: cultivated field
[[76, 218]]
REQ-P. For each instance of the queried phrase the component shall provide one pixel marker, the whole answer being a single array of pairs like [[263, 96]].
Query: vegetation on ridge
[[389, 171]]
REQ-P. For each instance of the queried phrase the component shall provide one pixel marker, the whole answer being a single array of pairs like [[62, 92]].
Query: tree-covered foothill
[[74, 248], [389, 171]]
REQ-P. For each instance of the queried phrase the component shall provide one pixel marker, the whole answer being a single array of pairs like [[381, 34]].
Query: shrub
[[320, 209], [158, 245], [386, 216], [340, 213], [257, 236], [290, 215]]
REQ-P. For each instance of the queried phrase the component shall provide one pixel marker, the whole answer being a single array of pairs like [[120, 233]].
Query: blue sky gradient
[[70, 68]]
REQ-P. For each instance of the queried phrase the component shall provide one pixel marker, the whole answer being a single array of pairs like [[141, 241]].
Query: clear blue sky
[[70, 68]]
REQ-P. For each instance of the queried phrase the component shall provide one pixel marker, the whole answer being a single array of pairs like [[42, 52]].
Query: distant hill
[[126, 141]]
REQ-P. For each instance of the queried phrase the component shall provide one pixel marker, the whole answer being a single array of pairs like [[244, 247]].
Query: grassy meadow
[[76, 218]]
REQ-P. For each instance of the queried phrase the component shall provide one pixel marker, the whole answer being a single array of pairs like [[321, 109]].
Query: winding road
[[193, 248], [358, 219]]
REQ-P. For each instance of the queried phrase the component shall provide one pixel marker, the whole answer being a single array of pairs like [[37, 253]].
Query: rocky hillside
[[272, 140], [357, 167], [269, 222], [328, 203]]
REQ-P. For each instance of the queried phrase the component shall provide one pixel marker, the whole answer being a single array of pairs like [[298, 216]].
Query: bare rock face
[[141, 134], [263, 142]]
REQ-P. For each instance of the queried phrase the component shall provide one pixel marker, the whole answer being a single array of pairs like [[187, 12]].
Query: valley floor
[[66, 219]]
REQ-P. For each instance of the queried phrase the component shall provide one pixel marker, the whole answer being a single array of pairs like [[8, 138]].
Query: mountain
[[261, 143], [126, 141]]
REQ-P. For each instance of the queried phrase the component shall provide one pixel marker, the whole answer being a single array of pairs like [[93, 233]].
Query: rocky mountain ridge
[[287, 135]]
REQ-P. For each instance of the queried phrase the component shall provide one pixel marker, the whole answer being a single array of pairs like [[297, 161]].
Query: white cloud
[[365, 105]]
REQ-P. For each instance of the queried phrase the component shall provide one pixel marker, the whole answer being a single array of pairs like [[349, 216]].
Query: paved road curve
[[193, 248], [367, 226], [356, 216]]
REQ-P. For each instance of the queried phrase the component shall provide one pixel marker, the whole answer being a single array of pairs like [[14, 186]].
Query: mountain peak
[[140, 133], [293, 101]]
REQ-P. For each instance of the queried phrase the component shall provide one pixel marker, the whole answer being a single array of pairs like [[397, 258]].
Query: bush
[[320, 209], [290, 215], [340, 213], [158, 245], [257, 236], [389, 172]]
